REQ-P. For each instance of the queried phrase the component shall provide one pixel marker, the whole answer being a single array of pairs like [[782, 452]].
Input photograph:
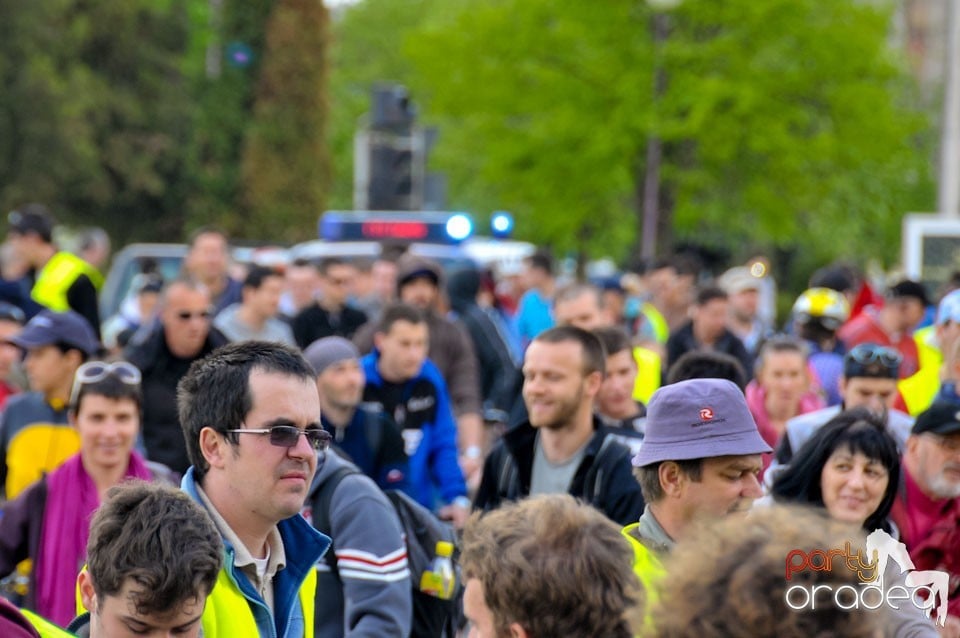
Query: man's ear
[[378, 339], [516, 631], [592, 383], [87, 594], [213, 446], [671, 478]]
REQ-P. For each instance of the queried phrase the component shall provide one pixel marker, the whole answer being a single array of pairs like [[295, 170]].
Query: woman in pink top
[[782, 389], [49, 521]]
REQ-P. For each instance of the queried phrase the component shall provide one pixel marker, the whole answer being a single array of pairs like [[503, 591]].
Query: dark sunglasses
[[186, 315], [289, 435], [867, 353]]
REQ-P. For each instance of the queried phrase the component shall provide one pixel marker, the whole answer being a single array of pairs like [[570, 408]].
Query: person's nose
[[855, 479], [303, 449], [752, 488]]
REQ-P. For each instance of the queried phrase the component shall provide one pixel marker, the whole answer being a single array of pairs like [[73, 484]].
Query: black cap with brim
[[48, 328], [939, 418]]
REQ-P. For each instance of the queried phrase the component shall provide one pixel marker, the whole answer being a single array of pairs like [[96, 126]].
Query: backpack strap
[[373, 432], [321, 493]]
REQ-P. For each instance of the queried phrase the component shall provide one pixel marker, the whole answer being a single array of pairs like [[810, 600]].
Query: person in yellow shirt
[[59, 280]]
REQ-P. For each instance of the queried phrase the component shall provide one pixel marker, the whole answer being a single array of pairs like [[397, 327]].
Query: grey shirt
[[229, 323], [553, 478]]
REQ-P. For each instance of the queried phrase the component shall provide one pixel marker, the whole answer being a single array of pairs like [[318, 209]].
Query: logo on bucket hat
[[723, 425]]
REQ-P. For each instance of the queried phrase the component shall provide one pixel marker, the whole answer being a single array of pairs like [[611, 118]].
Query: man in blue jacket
[[250, 414], [402, 382]]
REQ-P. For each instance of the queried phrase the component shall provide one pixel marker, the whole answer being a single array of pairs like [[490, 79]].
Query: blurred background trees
[[786, 125]]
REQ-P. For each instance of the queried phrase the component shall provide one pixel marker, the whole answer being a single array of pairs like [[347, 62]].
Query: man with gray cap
[[700, 460], [369, 438]]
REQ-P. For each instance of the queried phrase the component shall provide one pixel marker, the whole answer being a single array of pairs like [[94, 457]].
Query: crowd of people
[[638, 456]]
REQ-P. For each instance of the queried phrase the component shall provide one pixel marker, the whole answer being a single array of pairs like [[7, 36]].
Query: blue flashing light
[[459, 227], [501, 224]]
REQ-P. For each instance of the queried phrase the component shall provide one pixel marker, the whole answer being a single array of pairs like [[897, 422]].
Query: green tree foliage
[[782, 121], [229, 37], [93, 115], [367, 45], [285, 166]]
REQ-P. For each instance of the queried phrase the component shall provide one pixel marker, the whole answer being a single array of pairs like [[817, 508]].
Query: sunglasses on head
[[186, 315], [289, 436], [867, 353], [96, 371]]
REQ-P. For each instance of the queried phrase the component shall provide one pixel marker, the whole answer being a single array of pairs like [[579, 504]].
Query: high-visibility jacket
[[56, 277], [44, 627]]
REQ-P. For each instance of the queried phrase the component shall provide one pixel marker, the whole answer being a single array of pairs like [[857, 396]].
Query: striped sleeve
[[362, 565]]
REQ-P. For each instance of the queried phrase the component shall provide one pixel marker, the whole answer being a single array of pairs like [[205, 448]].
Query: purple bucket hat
[[699, 418]]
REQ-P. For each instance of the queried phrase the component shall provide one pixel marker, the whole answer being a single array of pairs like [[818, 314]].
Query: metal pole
[[949, 191]]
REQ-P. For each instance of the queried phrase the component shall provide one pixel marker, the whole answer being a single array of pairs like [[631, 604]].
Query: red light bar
[[394, 230]]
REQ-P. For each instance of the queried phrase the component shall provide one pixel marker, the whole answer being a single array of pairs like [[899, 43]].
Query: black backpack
[[432, 617]]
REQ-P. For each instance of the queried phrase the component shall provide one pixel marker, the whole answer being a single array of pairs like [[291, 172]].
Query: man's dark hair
[[158, 538], [111, 387], [614, 339], [216, 390], [206, 230], [331, 262], [649, 477], [710, 293], [706, 364], [65, 347], [594, 356], [838, 276], [541, 260], [257, 274], [399, 312], [303, 262], [33, 218]]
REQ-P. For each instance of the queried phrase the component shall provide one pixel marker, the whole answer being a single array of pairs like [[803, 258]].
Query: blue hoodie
[[429, 430]]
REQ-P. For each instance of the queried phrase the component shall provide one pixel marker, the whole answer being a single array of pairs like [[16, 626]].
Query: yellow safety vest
[[44, 627], [919, 390], [648, 374], [228, 615], [661, 331], [56, 277]]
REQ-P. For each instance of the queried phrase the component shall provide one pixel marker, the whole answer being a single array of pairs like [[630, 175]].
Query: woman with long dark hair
[[850, 467]]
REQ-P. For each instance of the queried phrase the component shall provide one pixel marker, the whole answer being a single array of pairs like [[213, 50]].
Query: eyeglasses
[[288, 436], [186, 315], [867, 353], [95, 371]]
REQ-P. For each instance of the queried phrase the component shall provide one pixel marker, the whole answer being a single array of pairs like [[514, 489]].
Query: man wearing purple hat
[[700, 460], [34, 434]]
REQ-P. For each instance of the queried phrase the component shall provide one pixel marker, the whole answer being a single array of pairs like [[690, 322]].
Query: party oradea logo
[[924, 589]]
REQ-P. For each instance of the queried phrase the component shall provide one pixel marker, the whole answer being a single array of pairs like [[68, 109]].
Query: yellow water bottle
[[441, 579]]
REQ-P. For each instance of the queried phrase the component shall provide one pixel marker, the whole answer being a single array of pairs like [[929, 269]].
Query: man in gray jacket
[[363, 583]]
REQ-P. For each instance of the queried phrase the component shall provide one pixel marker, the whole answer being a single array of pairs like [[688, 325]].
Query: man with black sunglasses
[[163, 352], [250, 413], [869, 380]]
